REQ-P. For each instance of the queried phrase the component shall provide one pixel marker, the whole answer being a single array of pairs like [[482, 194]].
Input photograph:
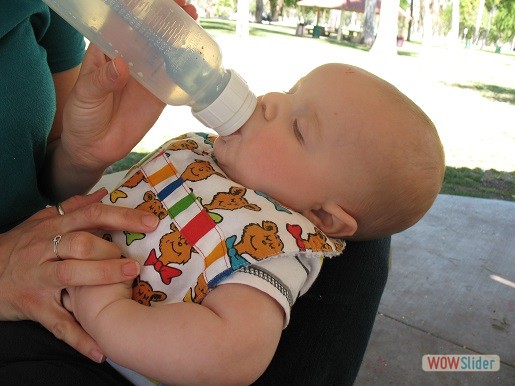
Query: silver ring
[[56, 240], [60, 209]]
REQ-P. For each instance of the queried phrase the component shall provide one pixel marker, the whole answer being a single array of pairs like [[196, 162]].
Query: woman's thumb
[[111, 76]]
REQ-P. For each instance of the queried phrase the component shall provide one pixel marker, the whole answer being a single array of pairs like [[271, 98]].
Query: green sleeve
[[63, 44]]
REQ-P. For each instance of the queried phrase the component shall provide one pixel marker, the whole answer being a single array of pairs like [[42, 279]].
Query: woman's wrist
[[67, 174]]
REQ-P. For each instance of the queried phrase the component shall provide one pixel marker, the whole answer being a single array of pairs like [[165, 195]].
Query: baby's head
[[344, 148]]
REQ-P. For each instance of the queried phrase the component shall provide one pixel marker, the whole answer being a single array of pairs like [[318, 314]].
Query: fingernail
[[150, 220], [113, 71], [97, 356], [98, 190], [131, 269]]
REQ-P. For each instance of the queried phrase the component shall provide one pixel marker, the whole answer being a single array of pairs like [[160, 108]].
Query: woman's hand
[[107, 114], [189, 8], [34, 268]]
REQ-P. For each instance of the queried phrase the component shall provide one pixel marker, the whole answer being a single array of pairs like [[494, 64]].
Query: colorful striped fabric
[[183, 207]]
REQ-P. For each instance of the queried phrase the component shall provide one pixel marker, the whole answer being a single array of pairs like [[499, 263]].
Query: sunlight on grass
[[479, 183]]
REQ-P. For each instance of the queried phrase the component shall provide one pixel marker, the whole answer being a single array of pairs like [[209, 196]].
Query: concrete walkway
[[451, 290]]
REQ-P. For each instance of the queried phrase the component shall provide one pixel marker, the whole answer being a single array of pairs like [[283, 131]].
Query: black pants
[[331, 324], [323, 345]]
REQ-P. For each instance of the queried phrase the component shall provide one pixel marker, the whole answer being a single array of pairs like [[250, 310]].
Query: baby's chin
[[220, 147]]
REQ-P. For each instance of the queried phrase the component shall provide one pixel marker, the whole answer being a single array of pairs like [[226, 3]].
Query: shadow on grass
[[490, 91], [347, 43], [400, 52]]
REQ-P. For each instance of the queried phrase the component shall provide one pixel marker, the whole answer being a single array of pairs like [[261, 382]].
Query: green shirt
[[34, 43]]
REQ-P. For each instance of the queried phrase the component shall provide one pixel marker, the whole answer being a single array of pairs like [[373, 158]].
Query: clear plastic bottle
[[168, 52]]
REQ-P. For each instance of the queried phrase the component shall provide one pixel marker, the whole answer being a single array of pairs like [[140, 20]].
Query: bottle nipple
[[231, 109]]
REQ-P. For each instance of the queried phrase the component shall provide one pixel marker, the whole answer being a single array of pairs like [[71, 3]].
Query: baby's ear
[[332, 220]]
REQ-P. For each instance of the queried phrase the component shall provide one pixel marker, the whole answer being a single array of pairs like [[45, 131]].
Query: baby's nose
[[271, 104]]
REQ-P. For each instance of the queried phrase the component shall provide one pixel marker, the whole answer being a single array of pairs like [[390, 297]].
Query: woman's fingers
[[85, 246], [71, 273], [77, 202], [64, 326], [87, 213], [71, 204], [86, 259], [100, 216]]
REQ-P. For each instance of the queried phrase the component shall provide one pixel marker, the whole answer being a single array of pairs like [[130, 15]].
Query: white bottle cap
[[231, 109]]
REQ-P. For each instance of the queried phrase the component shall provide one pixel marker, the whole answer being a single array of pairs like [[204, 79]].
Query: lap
[[324, 343], [331, 324], [31, 355]]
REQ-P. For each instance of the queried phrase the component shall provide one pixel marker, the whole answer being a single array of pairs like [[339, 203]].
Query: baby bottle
[[168, 52]]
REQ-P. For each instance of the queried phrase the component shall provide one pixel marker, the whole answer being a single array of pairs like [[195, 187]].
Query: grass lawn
[[479, 183]]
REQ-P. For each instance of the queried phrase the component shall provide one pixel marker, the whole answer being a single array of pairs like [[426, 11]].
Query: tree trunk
[[242, 19], [386, 39], [479, 19], [259, 11], [369, 23], [454, 34], [276, 7], [427, 23], [410, 23]]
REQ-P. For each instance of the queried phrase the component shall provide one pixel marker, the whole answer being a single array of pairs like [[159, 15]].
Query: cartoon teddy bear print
[[150, 204], [257, 241], [199, 292], [199, 170], [153, 205], [182, 144], [143, 293], [316, 242], [232, 200], [185, 144], [175, 249], [130, 183]]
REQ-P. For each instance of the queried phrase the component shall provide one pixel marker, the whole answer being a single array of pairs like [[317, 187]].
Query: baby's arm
[[229, 339]]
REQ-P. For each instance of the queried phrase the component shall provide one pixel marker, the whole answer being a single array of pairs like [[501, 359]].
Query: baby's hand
[[87, 302]]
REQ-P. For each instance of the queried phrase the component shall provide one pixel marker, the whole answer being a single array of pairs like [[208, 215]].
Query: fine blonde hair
[[406, 177]]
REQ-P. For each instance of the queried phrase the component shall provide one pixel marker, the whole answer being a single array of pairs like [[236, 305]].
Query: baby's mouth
[[231, 137]]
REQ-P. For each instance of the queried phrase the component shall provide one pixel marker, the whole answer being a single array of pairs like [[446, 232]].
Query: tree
[[369, 23], [242, 18], [259, 11], [427, 36], [386, 40], [454, 35], [497, 25], [479, 20], [503, 25]]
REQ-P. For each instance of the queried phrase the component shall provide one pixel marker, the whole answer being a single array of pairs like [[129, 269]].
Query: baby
[[343, 154], [344, 148]]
